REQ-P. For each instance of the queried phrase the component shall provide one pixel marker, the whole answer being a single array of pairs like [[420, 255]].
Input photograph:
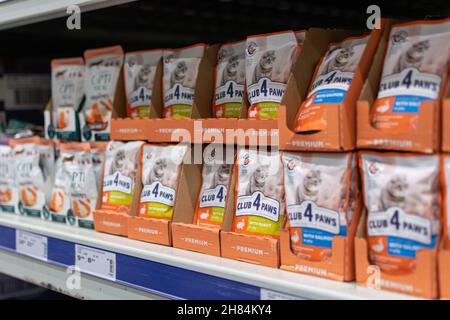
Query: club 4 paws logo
[[374, 168], [399, 37], [251, 48]]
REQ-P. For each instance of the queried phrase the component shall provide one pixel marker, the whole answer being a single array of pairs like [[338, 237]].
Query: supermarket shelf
[[144, 268], [21, 12]]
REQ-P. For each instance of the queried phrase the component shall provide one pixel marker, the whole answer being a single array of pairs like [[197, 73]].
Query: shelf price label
[[96, 262], [31, 244], [267, 294]]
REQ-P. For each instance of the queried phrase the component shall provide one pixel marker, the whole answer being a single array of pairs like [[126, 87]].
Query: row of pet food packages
[[253, 72], [314, 197]]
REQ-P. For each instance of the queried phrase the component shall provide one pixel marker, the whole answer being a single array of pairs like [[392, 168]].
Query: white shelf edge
[[22, 12], [274, 279]]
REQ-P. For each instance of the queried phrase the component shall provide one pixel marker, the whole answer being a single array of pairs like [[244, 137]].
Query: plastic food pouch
[[98, 159], [119, 175], [401, 196], [415, 70], [160, 171], [8, 193], [103, 67], [67, 96], [32, 173], [216, 179], [332, 79], [139, 74], [230, 80], [317, 196], [268, 64], [180, 72], [259, 193]]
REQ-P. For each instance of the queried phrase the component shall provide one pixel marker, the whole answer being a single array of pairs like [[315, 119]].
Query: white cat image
[[413, 57], [230, 73], [340, 61], [221, 176], [258, 180], [265, 66], [158, 173], [179, 74], [309, 189]]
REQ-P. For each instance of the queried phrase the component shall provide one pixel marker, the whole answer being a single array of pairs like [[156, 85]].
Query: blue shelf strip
[[150, 276]]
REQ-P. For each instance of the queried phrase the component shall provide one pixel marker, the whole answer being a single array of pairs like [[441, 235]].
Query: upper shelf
[[14, 13]]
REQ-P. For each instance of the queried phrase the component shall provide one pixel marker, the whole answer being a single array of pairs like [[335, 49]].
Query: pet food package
[[75, 191], [259, 193], [103, 67], [161, 169], [180, 71], [139, 76], [268, 64], [415, 70], [216, 178], [119, 176], [317, 187], [229, 80], [33, 160], [8, 192], [331, 81], [401, 196], [67, 96], [446, 190], [98, 158]]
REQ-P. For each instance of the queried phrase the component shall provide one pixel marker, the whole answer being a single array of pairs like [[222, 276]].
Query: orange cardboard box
[[427, 136], [160, 130], [341, 265], [248, 248], [446, 120], [444, 275], [421, 282], [160, 230]]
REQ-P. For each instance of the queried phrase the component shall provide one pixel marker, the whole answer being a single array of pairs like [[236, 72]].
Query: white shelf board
[[282, 281], [22, 12]]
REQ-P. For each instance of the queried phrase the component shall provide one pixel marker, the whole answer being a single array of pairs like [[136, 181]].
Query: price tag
[[96, 262], [274, 295], [31, 244]]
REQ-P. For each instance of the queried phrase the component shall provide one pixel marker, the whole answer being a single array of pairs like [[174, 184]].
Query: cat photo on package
[[229, 80], [180, 71], [268, 64], [259, 199], [139, 76], [8, 192], [415, 70]]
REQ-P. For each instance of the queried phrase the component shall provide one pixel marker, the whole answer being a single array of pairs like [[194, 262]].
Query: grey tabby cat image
[[309, 188], [394, 193], [118, 162], [221, 176], [178, 75], [265, 66], [143, 77], [413, 57], [258, 180], [158, 172], [231, 70], [340, 61]]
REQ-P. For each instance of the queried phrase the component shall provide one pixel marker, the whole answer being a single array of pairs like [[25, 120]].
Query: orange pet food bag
[[415, 70], [401, 196], [259, 193], [8, 192], [332, 79]]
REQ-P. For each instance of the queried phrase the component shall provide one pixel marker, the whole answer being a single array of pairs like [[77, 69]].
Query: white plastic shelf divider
[[22, 12], [160, 270]]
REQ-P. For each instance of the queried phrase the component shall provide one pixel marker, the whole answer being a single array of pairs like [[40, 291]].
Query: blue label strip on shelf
[[148, 275]]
